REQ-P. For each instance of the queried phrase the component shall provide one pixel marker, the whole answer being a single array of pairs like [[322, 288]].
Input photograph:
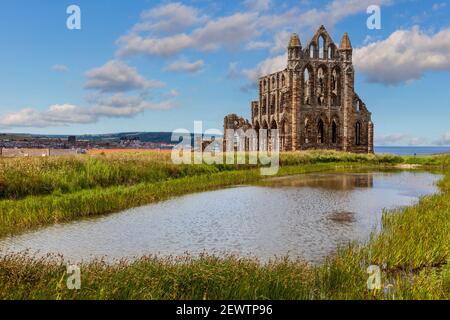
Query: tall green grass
[[412, 248], [22, 177]]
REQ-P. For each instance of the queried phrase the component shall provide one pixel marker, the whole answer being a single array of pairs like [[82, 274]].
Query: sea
[[411, 151]]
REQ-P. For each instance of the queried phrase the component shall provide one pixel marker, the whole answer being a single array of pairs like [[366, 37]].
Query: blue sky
[[158, 65]]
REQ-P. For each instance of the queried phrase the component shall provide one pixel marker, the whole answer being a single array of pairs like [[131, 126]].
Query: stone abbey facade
[[312, 102]]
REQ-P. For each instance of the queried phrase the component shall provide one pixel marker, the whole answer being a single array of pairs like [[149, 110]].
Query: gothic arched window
[[358, 134], [307, 86], [321, 87], [334, 132], [320, 132], [311, 51], [321, 47], [336, 87], [306, 130]]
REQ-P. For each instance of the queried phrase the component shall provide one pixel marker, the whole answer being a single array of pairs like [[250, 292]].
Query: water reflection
[[306, 217], [339, 182]]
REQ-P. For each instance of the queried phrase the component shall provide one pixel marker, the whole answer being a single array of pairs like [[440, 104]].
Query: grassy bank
[[412, 248]]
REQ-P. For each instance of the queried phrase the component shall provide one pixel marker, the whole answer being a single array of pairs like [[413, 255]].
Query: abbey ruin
[[312, 102]]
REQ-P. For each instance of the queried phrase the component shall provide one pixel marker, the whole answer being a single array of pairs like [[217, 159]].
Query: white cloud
[[405, 56], [171, 94], [60, 68], [116, 76], [55, 115], [121, 105], [258, 45], [185, 66], [258, 5], [438, 6], [418, 141], [116, 106], [389, 139], [268, 66], [238, 28], [171, 17], [400, 139], [281, 40], [444, 140]]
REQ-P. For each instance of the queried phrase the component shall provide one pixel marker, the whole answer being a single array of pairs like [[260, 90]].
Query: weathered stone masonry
[[313, 101]]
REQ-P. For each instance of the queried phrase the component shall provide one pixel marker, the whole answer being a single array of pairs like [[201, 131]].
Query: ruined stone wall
[[313, 101]]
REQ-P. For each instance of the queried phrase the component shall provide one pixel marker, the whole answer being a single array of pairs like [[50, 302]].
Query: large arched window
[[283, 135], [272, 104], [312, 50], [320, 132], [336, 87], [321, 47], [334, 133], [321, 86], [358, 133], [308, 81], [307, 134]]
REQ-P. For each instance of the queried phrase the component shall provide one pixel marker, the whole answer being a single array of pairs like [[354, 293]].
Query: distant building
[[72, 140]]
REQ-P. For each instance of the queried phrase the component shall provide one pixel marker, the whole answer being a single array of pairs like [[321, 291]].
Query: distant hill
[[155, 137]]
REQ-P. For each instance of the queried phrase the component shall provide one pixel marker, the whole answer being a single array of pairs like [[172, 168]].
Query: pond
[[304, 217]]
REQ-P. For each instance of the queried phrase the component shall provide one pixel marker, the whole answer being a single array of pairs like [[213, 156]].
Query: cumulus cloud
[[115, 106], [170, 17], [185, 66], [59, 68], [268, 66], [258, 45], [226, 31], [55, 115], [236, 29], [281, 40], [116, 76], [405, 56]]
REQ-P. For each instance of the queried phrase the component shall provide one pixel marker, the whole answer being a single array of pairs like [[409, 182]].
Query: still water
[[305, 217]]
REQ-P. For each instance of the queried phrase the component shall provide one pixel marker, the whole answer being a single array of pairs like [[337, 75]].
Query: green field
[[412, 248]]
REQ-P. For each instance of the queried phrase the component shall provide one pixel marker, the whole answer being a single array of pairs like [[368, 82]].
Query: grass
[[412, 247]]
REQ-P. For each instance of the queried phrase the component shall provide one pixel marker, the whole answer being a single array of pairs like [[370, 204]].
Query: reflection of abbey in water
[[337, 182], [313, 101]]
